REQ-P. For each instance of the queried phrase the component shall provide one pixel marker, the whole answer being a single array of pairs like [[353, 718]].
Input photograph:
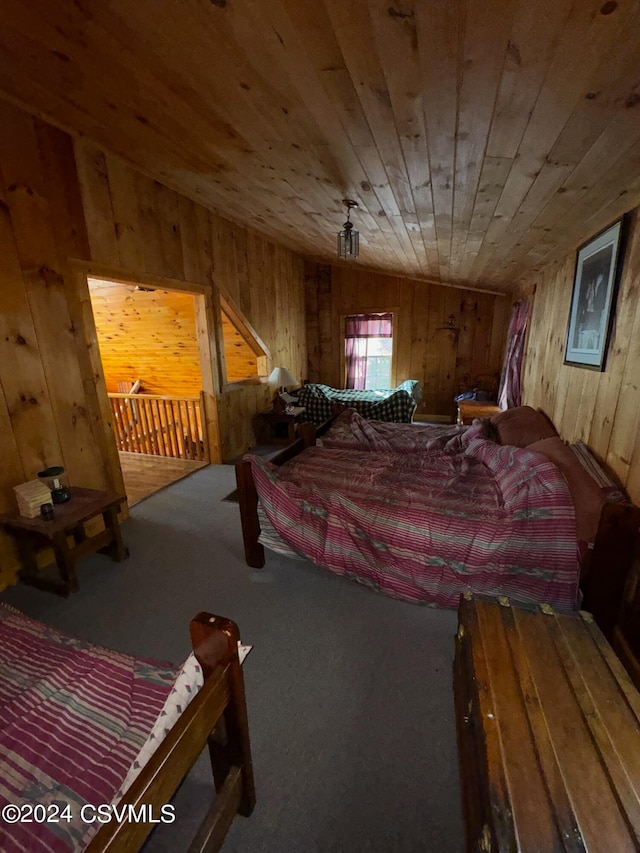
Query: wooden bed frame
[[603, 571], [216, 717], [605, 568], [248, 496], [625, 634]]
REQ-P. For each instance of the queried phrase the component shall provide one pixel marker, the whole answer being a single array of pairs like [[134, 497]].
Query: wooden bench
[[548, 727]]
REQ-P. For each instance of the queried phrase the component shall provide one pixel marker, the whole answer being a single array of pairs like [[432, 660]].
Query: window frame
[[394, 340], [250, 336]]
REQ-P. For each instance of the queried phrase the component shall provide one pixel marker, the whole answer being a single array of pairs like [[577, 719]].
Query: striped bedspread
[[73, 717], [350, 431], [423, 527]]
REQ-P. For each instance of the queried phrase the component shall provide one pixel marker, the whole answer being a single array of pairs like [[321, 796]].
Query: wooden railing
[[160, 426]]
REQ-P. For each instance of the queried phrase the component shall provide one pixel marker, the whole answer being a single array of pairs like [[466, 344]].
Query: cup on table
[[46, 511]]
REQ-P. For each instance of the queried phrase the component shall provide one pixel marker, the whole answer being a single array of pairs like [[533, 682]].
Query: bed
[[590, 486], [463, 511], [396, 405], [422, 526], [350, 431], [90, 738]]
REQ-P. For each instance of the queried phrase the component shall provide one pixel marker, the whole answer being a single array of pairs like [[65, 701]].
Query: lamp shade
[[281, 377]]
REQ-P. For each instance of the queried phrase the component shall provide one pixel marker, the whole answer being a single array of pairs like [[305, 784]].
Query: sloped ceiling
[[481, 138]]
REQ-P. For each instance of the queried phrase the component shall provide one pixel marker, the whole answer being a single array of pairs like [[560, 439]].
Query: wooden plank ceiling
[[480, 137]]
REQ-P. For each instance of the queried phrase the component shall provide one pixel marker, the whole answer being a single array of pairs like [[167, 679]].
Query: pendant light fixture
[[348, 239]]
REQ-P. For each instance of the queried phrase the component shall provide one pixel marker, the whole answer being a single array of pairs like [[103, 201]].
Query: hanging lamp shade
[[348, 238]]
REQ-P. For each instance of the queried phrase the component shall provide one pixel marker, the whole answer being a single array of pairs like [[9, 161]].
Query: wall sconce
[[348, 239]]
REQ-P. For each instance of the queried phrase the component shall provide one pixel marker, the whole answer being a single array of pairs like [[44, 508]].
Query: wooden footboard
[[217, 718], [626, 632], [248, 497], [606, 567]]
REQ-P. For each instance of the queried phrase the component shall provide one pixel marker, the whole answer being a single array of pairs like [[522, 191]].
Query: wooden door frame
[[205, 299]]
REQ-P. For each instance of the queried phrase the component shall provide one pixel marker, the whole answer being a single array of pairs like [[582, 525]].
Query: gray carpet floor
[[349, 693]]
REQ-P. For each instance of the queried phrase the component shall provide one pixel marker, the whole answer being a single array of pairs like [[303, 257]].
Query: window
[[368, 350], [245, 356], [240, 360]]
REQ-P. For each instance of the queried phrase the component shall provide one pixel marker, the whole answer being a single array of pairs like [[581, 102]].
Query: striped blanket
[[423, 527], [73, 718], [350, 431]]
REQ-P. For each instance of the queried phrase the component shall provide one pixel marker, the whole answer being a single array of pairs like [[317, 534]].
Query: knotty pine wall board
[[147, 335], [601, 409], [45, 394], [240, 361], [44, 379], [445, 337], [263, 279], [68, 209], [151, 335], [477, 137]]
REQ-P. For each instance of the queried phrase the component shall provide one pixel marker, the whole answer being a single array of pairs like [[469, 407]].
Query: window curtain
[[509, 393], [358, 328]]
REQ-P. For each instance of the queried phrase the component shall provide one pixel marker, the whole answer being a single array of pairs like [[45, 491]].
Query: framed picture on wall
[[592, 302]]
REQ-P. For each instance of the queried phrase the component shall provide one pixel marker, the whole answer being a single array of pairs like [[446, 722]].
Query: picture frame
[[595, 284]]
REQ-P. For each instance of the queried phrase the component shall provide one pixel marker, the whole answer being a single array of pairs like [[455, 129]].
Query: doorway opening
[[150, 351]]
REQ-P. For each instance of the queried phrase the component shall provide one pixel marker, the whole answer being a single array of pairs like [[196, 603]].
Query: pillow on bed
[[587, 495], [522, 426], [490, 430]]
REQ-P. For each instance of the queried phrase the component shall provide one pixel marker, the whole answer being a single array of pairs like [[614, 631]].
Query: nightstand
[[278, 426], [470, 409]]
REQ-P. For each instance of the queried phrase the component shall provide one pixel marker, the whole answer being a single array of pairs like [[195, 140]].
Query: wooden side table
[[33, 534], [470, 409], [278, 426]]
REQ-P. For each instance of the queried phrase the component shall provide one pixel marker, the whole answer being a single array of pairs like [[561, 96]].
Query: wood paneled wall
[[60, 201], [240, 360], [139, 226], [49, 397], [450, 339], [601, 409], [147, 335]]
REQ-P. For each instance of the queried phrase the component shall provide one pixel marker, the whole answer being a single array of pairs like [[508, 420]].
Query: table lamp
[[282, 379]]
